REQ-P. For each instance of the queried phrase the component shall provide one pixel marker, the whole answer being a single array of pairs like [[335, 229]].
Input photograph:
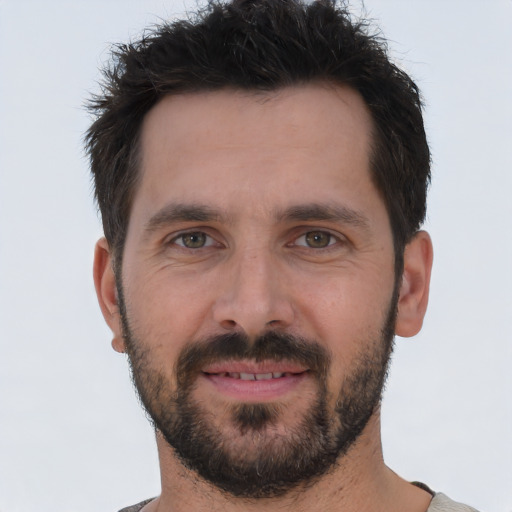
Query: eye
[[194, 240], [316, 239]]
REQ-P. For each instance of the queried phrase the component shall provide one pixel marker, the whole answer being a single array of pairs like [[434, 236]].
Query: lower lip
[[255, 390]]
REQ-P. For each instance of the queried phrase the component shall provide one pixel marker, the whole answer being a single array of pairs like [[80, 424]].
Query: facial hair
[[279, 462]]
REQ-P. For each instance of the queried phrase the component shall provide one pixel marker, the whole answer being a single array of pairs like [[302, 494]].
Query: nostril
[[228, 324]]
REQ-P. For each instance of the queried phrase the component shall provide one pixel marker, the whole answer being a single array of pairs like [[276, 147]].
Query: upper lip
[[254, 367]]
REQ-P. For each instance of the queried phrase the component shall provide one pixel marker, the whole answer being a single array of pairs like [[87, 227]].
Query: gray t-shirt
[[440, 503]]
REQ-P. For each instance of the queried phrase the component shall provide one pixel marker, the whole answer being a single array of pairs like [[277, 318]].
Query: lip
[[254, 367], [224, 377]]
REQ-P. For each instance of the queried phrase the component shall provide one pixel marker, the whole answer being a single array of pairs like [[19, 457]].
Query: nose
[[253, 295]]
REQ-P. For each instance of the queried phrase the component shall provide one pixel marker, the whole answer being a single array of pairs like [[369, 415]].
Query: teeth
[[263, 376], [255, 376]]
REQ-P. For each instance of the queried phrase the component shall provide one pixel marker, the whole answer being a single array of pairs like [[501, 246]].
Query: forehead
[[289, 144], [313, 115]]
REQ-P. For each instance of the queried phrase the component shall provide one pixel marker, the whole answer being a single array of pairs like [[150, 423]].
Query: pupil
[[194, 240], [318, 239]]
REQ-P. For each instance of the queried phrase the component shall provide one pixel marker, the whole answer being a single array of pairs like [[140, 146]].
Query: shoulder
[[136, 508], [441, 503]]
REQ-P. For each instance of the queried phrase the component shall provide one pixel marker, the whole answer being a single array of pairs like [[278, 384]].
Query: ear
[[106, 291], [413, 300]]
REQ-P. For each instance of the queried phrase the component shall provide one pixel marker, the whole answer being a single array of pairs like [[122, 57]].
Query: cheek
[[346, 316], [166, 312], [346, 305]]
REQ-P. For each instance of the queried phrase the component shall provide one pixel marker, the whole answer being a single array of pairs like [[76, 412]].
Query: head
[[262, 45], [261, 173]]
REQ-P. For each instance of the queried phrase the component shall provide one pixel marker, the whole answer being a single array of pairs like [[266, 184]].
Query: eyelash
[[209, 240], [332, 240]]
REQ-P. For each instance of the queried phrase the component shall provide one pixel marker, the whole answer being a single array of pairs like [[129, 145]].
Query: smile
[[253, 376], [253, 382]]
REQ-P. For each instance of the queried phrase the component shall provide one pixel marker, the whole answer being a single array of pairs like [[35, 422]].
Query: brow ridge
[[182, 212], [324, 212], [310, 212]]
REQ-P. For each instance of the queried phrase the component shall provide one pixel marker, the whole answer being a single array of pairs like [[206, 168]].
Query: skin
[[251, 158]]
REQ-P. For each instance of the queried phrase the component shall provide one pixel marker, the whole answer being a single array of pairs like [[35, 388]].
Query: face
[[257, 283]]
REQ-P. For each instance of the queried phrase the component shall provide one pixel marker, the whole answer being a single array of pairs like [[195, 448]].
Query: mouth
[[254, 382], [254, 376]]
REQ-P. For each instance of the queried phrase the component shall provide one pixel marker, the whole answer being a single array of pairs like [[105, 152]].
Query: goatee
[[274, 462]]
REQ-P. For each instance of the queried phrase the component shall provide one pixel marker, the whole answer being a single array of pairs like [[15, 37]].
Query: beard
[[248, 456]]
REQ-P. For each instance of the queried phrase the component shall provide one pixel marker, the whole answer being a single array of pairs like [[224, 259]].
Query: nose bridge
[[253, 295]]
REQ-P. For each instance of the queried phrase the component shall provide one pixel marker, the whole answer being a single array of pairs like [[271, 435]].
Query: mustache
[[270, 346]]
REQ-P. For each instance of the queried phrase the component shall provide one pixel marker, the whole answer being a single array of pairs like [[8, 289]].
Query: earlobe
[[414, 290], [106, 291]]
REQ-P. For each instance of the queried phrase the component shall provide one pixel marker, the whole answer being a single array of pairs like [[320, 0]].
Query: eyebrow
[[311, 212], [179, 212], [324, 212]]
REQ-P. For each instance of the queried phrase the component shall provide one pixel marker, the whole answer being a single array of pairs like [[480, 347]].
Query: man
[[262, 172]]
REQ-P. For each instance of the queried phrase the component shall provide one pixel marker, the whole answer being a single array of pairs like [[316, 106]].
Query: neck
[[360, 481]]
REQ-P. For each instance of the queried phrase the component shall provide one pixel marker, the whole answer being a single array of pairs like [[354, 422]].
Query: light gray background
[[72, 436]]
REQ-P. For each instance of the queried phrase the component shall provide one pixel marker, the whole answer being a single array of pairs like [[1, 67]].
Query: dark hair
[[260, 45]]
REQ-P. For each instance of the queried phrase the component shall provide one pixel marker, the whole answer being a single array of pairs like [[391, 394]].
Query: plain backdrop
[[72, 435]]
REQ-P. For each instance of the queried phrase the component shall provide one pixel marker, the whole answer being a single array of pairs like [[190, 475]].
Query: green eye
[[194, 240], [318, 239]]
